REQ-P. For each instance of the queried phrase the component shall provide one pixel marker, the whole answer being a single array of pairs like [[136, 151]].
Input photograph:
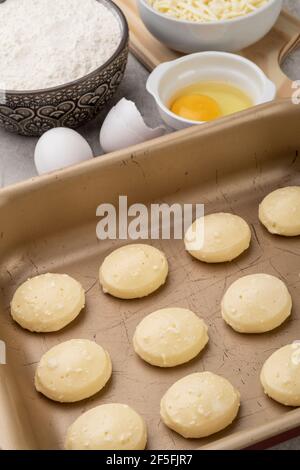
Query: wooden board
[[268, 53]]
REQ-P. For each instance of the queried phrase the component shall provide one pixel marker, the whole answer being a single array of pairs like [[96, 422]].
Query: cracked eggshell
[[124, 127]]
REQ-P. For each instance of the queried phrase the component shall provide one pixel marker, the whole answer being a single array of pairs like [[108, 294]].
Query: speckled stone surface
[[16, 152]]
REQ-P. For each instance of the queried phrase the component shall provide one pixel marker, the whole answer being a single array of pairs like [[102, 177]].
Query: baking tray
[[49, 224], [268, 53]]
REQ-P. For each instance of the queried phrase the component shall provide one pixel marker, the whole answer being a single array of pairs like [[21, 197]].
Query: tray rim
[[118, 156]]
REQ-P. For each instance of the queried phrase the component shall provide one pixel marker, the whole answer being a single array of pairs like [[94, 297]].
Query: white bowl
[[171, 77], [227, 35]]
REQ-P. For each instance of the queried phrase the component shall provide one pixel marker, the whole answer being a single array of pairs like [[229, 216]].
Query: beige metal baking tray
[[49, 224]]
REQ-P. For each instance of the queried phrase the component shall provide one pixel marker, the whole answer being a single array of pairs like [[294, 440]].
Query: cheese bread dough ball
[[47, 302], [256, 303], [108, 427], [226, 236], [170, 337], [199, 405], [133, 271], [280, 375], [73, 370], [279, 212]]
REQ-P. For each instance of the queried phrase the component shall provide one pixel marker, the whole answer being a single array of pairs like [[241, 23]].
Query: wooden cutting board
[[268, 53]]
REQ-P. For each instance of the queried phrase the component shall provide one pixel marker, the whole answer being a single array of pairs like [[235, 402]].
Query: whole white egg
[[124, 126], [59, 148]]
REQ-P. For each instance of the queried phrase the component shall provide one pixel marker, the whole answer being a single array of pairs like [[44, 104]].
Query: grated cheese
[[206, 10]]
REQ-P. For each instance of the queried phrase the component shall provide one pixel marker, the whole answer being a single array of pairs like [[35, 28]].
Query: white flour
[[44, 43]]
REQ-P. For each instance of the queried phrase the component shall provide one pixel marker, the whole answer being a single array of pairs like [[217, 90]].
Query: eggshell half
[[124, 127]]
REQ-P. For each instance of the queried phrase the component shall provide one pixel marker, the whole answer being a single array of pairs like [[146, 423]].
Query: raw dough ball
[[199, 405], [73, 371], [47, 302], [256, 304], [279, 212], [133, 271], [170, 337], [108, 427], [280, 375], [226, 236]]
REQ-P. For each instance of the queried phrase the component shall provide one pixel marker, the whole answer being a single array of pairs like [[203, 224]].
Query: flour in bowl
[[45, 43]]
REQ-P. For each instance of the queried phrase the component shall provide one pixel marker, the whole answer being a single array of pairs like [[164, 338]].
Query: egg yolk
[[196, 108]]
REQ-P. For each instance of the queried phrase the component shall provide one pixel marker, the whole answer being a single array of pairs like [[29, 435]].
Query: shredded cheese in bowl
[[205, 11]]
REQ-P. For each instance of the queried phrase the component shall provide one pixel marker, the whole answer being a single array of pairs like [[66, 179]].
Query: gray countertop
[[16, 152]]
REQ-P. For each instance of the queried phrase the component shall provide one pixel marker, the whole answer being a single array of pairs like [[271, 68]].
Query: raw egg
[[206, 101]]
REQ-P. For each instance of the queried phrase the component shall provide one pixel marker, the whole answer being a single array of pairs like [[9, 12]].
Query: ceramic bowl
[[227, 35], [31, 113], [171, 77]]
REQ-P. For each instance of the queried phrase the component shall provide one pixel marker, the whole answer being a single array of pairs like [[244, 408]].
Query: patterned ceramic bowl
[[31, 113]]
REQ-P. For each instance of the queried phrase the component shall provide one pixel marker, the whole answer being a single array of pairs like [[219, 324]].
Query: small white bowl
[[224, 35], [170, 77]]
